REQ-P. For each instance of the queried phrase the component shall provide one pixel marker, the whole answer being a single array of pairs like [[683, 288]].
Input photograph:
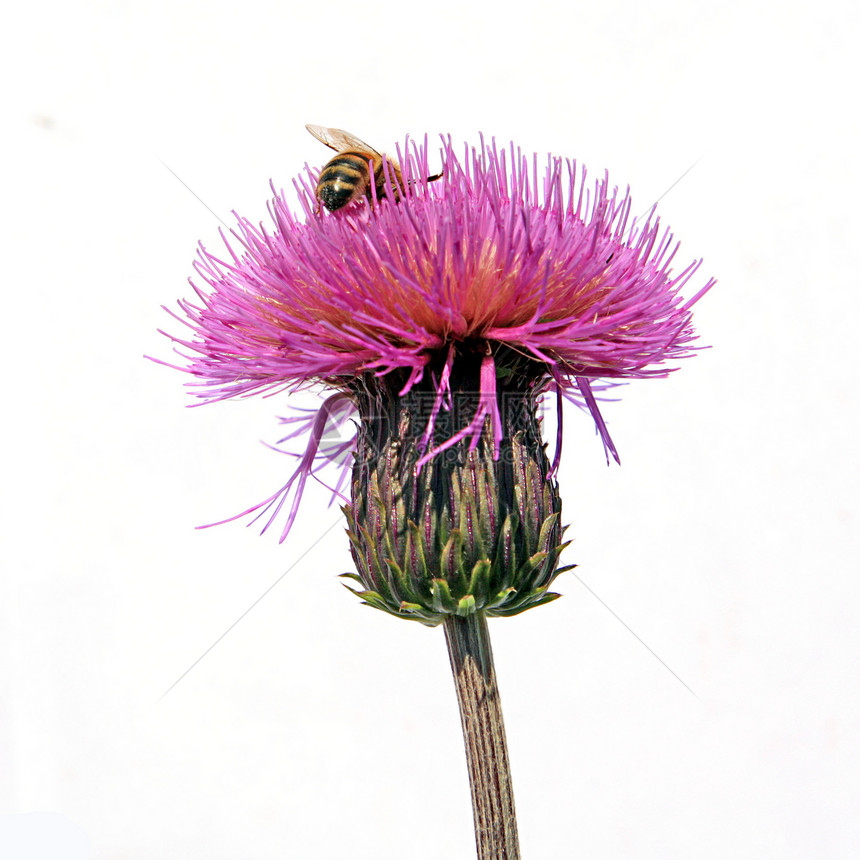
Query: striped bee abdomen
[[343, 179]]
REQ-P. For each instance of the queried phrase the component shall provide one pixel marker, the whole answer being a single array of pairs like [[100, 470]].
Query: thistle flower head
[[442, 314]]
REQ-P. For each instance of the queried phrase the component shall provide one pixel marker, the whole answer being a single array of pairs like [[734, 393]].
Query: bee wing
[[340, 140]]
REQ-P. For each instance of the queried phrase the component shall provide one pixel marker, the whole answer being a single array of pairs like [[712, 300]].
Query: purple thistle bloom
[[480, 255], [535, 279]]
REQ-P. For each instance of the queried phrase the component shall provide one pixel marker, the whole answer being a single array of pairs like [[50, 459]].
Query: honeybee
[[348, 175]]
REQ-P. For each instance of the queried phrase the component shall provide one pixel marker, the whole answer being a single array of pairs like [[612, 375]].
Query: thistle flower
[[441, 315], [442, 320]]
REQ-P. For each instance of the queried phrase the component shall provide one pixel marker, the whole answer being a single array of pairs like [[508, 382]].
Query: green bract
[[470, 530]]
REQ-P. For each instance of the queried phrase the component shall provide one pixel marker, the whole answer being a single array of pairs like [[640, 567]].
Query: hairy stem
[[484, 735]]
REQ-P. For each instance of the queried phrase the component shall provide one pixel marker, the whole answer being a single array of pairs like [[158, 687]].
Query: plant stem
[[484, 735]]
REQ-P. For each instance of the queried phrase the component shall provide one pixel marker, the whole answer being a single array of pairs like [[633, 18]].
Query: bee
[[348, 175]]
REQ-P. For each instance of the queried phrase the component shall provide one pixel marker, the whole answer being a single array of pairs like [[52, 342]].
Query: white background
[[318, 728]]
